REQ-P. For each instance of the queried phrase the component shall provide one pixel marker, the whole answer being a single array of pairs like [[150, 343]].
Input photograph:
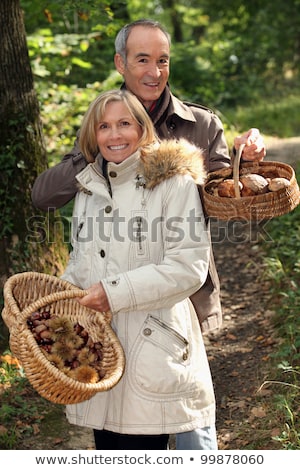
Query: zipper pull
[[79, 230]]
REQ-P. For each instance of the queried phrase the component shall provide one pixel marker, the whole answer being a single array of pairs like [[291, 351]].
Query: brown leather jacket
[[56, 186]]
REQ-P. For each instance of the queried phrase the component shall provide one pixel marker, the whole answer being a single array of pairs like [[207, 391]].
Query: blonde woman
[[141, 249]]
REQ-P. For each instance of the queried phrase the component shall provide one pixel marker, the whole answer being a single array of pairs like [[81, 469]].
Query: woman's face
[[117, 133]]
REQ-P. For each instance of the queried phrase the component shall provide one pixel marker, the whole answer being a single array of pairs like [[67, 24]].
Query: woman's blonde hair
[[87, 137]]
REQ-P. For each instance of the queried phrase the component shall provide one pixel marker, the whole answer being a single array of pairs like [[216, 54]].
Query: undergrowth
[[282, 269]]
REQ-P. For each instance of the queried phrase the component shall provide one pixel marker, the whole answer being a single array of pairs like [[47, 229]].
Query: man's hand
[[96, 298], [254, 145]]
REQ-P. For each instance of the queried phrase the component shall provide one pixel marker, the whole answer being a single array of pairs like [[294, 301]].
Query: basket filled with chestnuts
[[68, 352], [251, 191]]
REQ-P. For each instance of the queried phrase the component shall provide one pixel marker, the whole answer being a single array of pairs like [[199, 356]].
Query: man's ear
[[119, 63]]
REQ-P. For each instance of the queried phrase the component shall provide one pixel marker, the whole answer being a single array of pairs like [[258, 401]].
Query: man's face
[[146, 71]]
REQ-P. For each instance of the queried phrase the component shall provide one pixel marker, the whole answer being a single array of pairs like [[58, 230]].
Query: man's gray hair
[[122, 36]]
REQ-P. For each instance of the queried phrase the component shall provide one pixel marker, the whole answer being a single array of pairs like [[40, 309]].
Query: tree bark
[[22, 158]]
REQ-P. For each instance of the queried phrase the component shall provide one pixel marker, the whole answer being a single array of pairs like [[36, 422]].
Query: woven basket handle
[[48, 299], [236, 170]]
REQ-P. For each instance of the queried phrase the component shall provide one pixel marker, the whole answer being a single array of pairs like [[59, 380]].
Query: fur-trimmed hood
[[157, 163], [170, 158]]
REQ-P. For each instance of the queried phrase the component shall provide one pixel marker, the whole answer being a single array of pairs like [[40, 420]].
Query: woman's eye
[[125, 123]]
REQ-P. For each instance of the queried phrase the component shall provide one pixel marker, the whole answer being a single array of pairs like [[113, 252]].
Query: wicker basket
[[258, 207], [27, 292]]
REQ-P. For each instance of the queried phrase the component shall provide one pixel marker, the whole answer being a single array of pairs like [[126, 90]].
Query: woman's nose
[[115, 131]]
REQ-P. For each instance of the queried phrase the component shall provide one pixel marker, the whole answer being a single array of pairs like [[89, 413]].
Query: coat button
[[147, 331], [185, 356], [112, 174], [108, 209], [102, 253]]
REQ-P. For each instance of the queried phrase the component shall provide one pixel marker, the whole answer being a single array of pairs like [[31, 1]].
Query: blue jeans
[[198, 439]]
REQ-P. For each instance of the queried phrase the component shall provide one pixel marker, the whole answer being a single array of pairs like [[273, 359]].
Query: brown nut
[[45, 334], [40, 328]]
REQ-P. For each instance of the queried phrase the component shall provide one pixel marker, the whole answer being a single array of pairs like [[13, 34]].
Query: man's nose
[[154, 69]]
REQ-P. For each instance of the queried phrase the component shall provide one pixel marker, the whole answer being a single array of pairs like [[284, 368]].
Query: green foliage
[[70, 58], [17, 415], [217, 63], [283, 270]]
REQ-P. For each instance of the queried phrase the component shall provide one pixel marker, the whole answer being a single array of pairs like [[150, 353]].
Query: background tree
[[25, 235]]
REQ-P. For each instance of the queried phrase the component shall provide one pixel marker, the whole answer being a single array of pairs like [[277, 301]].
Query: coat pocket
[[159, 365]]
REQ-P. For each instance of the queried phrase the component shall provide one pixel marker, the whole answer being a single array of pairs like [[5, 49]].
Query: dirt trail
[[284, 150], [238, 354]]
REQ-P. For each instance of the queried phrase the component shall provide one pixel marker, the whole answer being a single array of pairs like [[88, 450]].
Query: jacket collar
[[169, 105], [88, 178], [128, 165], [180, 109]]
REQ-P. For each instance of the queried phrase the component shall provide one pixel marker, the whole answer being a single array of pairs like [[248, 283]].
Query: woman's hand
[[96, 298], [254, 145]]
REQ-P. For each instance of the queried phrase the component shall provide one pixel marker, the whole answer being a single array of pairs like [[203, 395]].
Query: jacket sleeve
[[211, 138], [56, 186], [184, 262], [217, 149]]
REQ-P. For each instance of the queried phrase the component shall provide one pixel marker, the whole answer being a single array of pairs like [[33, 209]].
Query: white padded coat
[[141, 232]]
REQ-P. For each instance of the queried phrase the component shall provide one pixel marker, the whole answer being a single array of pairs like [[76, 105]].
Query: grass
[[18, 416], [275, 116], [284, 254], [24, 414], [280, 397]]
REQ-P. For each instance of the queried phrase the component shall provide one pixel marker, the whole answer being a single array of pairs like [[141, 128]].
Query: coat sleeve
[[184, 260], [211, 138], [56, 186]]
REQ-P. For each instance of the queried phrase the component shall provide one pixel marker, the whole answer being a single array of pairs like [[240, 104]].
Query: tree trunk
[[175, 18], [22, 158]]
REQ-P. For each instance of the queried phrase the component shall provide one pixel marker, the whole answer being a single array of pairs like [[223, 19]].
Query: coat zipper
[[175, 333]]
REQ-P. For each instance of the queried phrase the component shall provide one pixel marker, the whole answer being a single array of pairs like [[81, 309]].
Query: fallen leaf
[[58, 441], [234, 373], [3, 430], [231, 336], [36, 429], [275, 432], [260, 338], [258, 412], [237, 404], [11, 360]]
